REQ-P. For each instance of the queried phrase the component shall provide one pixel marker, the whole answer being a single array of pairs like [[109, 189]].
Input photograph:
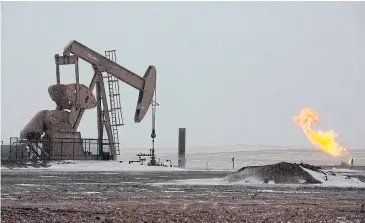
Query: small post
[[73, 149], [11, 148], [233, 162], [61, 148], [181, 148]]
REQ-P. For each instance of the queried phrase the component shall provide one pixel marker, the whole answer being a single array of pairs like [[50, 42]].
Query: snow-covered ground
[[214, 158], [337, 180], [219, 158], [92, 165]]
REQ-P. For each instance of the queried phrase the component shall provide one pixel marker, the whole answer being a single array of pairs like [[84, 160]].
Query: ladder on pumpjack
[[115, 106]]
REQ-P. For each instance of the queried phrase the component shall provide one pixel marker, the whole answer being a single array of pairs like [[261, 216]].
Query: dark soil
[[279, 173], [48, 196]]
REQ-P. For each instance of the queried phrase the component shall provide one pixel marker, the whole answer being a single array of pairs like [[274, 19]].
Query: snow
[[288, 192], [92, 166], [219, 158], [208, 182], [29, 185], [332, 181], [340, 170], [335, 181]]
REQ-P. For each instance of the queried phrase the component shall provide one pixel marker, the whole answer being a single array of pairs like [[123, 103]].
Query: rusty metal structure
[[59, 126]]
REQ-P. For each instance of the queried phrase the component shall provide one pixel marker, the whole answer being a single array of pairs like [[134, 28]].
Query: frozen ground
[[114, 192], [341, 179], [216, 160], [53, 196], [252, 176], [93, 165], [219, 158]]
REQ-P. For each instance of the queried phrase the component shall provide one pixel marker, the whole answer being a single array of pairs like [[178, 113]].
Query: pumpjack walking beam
[[146, 84]]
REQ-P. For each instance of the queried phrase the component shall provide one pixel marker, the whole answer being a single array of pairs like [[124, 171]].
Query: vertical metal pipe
[[181, 152], [73, 150], [99, 116], [11, 148], [85, 151], [106, 116], [61, 148]]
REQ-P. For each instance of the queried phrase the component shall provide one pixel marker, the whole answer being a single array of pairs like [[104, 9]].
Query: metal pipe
[[99, 116], [107, 123], [181, 152]]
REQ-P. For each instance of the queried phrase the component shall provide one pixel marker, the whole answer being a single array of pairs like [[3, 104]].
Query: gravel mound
[[280, 173]]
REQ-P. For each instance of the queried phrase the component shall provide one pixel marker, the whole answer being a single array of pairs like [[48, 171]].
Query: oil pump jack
[[59, 126]]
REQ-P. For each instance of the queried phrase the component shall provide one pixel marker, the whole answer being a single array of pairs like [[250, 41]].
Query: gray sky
[[229, 72]]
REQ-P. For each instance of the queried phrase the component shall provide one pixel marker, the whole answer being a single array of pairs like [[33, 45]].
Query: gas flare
[[324, 140]]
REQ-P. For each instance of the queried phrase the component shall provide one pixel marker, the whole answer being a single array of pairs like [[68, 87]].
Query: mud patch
[[280, 173]]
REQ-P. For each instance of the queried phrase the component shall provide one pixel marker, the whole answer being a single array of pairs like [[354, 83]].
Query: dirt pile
[[280, 173]]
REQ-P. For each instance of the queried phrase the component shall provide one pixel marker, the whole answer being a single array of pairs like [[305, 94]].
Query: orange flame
[[322, 140]]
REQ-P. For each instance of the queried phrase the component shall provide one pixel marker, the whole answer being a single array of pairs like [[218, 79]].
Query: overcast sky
[[230, 73]]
